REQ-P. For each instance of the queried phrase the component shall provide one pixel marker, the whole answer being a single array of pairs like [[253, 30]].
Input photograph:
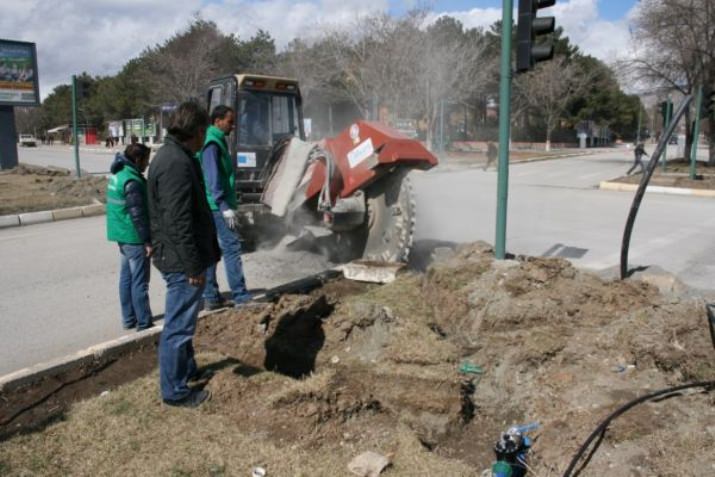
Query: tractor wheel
[[389, 225]]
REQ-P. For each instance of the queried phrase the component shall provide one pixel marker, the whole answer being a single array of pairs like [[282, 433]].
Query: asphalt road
[[555, 209], [94, 160], [60, 279]]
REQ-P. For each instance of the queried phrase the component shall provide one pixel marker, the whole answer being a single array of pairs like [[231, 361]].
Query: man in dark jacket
[[128, 225], [638, 154], [185, 245]]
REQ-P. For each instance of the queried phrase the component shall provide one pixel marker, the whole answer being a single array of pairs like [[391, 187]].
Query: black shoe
[[215, 305], [202, 375], [145, 327], [194, 399]]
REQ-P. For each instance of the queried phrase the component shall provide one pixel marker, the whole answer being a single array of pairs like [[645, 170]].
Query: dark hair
[[134, 152], [220, 112], [187, 121]]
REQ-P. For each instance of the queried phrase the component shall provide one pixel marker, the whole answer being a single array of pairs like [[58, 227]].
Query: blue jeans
[[134, 286], [176, 351], [231, 249]]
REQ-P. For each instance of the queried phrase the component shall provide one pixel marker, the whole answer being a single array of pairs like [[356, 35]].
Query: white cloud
[[579, 18], [100, 36]]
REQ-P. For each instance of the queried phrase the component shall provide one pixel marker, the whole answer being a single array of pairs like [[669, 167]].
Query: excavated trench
[[360, 365]]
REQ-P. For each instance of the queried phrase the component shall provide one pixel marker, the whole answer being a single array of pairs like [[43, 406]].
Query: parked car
[[27, 140]]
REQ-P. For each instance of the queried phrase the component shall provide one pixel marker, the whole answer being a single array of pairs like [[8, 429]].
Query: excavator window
[[266, 117], [215, 97]]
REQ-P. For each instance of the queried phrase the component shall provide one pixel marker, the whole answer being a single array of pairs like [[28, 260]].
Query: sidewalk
[[96, 148], [449, 159]]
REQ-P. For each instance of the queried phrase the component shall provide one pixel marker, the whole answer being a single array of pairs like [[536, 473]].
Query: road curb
[[448, 165], [118, 347], [44, 216], [621, 187], [102, 352]]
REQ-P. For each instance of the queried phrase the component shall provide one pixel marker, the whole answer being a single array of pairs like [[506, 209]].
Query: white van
[[27, 140]]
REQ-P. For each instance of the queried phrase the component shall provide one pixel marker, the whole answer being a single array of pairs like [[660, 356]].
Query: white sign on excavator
[[360, 153]]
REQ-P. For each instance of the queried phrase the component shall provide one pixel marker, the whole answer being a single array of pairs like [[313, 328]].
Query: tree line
[[405, 65]]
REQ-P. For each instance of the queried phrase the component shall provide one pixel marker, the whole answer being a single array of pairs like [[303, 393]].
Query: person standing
[[492, 154], [638, 154], [184, 241], [128, 225], [220, 177]]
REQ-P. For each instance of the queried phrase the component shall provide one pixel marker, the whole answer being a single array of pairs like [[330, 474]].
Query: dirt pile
[[559, 346], [28, 188], [311, 381]]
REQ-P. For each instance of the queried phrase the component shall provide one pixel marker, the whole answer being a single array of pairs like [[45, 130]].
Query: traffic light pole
[[696, 134], [640, 112], [668, 120], [74, 124], [504, 123]]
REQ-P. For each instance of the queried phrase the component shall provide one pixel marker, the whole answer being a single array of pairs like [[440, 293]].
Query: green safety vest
[[119, 224], [227, 173]]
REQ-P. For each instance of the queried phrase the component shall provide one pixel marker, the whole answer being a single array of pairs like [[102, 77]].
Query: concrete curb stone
[[91, 210], [69, 213], [31, 218], [9, 221], [621, 187]]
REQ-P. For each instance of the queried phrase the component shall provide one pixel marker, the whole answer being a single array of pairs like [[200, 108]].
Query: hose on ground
[[603, 426]]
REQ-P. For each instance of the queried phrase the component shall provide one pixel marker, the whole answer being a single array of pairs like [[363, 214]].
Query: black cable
[[652, 164], [711, 322], [57, 389], [601, 429]]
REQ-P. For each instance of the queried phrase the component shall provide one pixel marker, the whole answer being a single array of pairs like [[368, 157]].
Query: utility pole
[[504, 129], [668, 119], [696, 134], [640, 112], [75, 138], [528, 53], [441, 126]]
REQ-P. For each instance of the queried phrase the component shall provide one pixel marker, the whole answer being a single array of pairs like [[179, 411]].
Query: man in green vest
[[128, 225], [220, 179]]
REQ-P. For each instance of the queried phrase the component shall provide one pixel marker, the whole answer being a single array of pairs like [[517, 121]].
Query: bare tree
[[548, 90], [408, 66], [455, 65], [675, 48], [182, 67]]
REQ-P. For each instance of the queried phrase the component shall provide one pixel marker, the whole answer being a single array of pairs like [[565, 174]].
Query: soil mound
[[430, 369], [557, 345]]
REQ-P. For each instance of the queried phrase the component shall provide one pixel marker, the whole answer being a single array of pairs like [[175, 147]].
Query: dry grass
[[29, 189], [129, 432]]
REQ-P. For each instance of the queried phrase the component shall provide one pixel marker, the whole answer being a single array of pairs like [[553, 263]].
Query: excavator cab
[[354, 186], [268, 111]]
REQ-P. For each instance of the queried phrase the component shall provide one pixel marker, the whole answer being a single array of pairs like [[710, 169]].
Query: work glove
[[229, 215]]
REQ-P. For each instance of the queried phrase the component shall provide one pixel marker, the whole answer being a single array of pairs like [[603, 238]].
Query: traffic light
[[707, 108], [666, 110], [82, 85], [529, 27]]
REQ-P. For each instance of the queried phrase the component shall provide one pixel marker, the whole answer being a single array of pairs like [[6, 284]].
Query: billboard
[[19, 85]]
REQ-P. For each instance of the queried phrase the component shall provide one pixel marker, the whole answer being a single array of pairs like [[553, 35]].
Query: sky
[[100, 36]]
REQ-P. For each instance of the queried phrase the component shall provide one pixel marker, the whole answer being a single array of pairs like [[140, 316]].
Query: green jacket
[[120, 227], [226, 170]]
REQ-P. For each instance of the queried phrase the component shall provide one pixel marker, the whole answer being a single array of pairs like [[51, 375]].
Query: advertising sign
[[19, 85]]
